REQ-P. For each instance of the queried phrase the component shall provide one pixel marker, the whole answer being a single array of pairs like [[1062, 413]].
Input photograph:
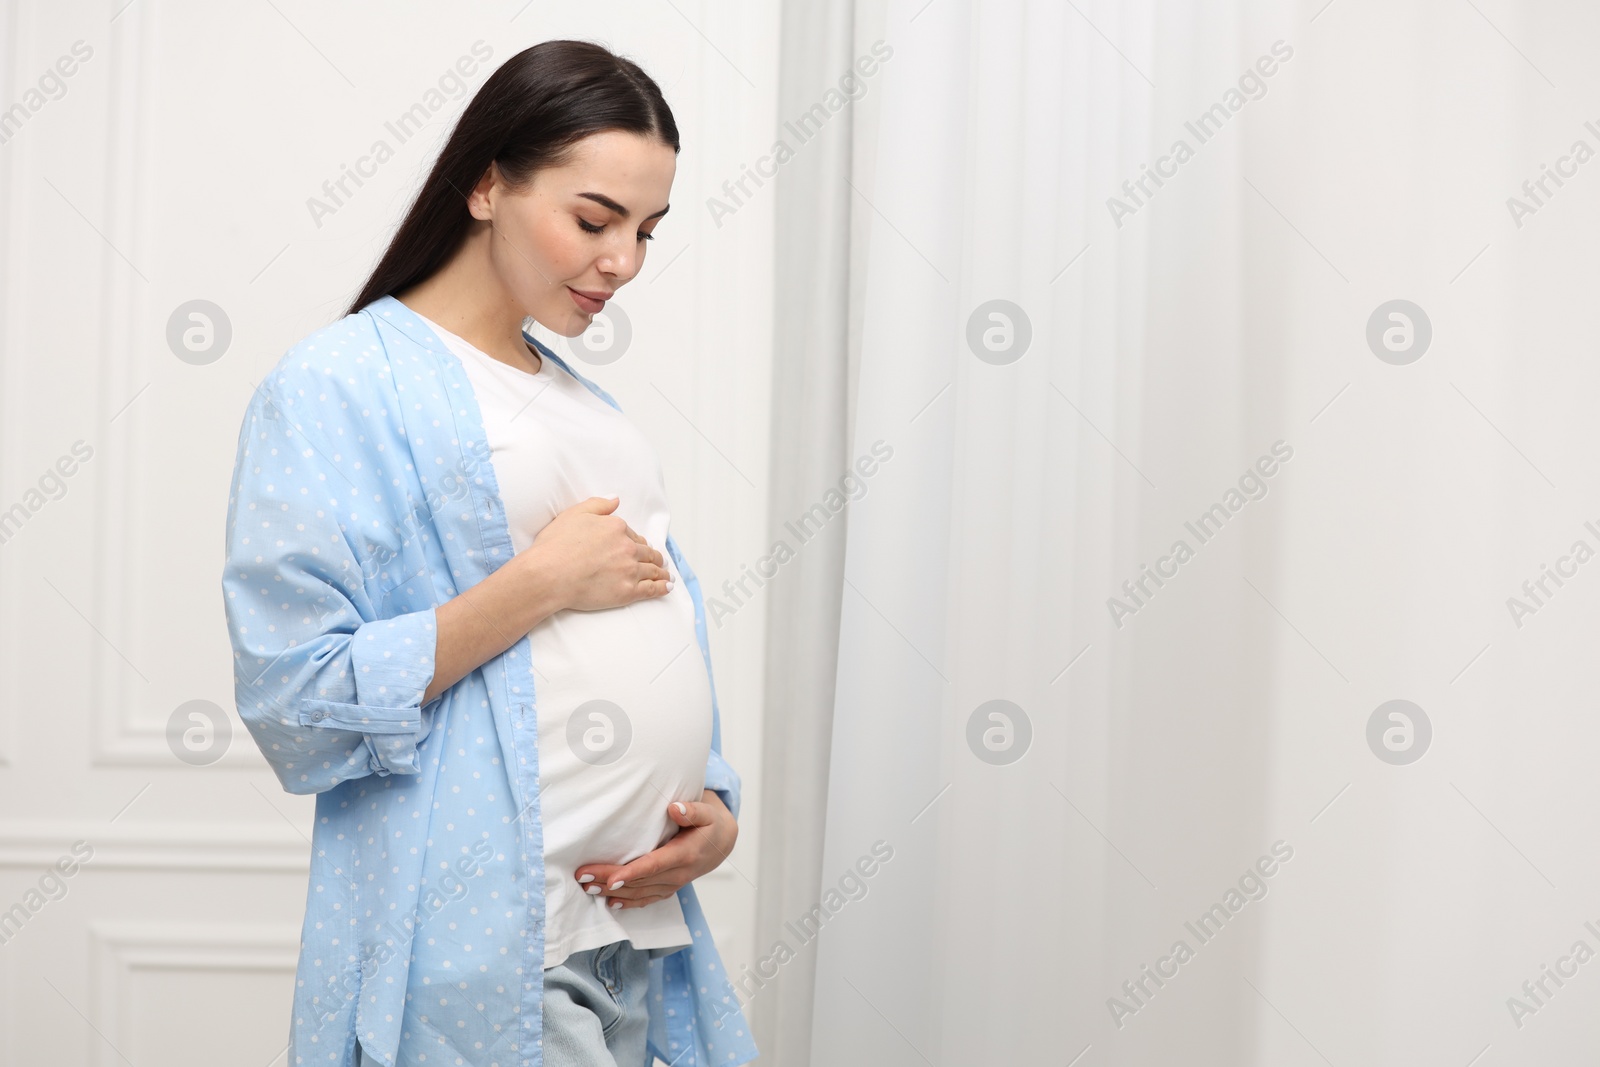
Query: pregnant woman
[[460, 620]]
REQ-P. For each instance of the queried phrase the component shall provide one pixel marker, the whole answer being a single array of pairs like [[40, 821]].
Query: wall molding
[[123, 368], [11, 33], [225, 848], [120, 952]]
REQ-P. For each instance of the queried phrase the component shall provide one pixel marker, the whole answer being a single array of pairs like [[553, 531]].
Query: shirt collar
[[408, 322]]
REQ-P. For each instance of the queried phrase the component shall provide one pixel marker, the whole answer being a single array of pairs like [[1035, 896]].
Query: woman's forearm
[[493, 615]]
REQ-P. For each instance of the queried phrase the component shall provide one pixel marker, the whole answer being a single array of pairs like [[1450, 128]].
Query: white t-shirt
[[554, 443]]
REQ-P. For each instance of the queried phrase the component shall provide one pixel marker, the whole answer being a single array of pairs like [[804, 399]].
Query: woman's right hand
[[599, 561]]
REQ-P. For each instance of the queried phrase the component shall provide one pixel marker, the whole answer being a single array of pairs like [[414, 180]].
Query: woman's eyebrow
[[611, 205]]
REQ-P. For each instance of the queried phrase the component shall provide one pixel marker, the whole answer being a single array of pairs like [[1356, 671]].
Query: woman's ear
[[478, 199]]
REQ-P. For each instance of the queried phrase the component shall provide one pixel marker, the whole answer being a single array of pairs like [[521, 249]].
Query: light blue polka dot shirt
[[363, 497]]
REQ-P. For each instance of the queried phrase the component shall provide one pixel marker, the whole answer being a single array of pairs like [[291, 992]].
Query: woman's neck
[[464, 304]]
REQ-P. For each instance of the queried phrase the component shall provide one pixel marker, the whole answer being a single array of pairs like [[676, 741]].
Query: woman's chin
[[572, 325]]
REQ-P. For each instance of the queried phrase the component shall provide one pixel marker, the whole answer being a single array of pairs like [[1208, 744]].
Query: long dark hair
[[528, 115]]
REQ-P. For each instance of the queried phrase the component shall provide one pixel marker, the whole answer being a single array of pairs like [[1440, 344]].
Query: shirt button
[[318, 716]]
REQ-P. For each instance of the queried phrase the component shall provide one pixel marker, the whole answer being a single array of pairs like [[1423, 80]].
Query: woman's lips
[[587, 304]]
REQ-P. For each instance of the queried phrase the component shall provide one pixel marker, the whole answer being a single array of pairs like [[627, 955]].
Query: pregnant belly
[[623, 705]]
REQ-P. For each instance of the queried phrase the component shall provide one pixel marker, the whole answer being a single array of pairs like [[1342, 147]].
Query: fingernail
[[681, 809], [615, 904], [592, 890], [586, 878], [617, 884]]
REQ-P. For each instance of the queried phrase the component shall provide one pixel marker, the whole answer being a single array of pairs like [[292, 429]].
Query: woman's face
[[579, 230]]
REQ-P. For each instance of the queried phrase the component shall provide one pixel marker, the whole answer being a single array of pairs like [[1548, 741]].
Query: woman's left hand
[[705, 836]]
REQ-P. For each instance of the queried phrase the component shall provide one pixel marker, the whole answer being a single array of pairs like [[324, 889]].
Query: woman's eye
[[589, 227]]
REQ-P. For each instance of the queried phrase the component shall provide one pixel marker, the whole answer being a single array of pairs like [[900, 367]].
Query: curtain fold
[[811, 458], [1160, 524], [997, 357], [1048, 762]]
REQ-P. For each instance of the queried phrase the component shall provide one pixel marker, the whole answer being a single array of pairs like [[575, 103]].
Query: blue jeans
[[595, 1009], [596, 1012]]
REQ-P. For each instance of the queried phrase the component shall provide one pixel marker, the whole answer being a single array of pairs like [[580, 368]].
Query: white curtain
[[1210, 756], [812, 387]]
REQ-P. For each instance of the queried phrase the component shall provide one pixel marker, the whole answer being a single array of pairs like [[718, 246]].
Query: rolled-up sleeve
[[722, 780], [391, 662], [329, 688]]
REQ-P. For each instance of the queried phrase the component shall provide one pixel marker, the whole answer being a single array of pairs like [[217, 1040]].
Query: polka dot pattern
[[362, 498]]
